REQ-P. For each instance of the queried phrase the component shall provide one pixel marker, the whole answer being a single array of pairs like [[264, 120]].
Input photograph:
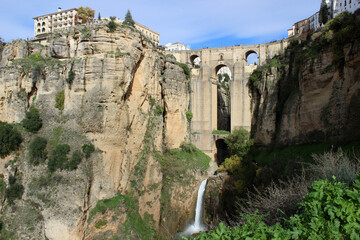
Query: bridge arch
[[251, 58], [195, 61]]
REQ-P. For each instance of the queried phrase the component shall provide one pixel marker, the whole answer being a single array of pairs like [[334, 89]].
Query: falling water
[[198, 225]]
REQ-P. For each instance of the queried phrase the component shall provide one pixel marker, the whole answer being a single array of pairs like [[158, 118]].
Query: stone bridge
[[204, 85]]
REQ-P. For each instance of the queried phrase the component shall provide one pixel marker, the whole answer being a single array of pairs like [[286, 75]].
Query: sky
[[196, 23]]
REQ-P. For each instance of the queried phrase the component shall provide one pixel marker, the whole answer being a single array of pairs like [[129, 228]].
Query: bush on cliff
[[37, 151], [10, 139], [58, 158], [32, 121]]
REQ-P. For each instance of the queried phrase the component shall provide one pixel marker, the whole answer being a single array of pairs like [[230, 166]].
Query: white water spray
[[198, 225]]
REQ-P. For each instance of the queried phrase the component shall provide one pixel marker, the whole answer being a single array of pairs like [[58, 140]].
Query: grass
[[220, 132]]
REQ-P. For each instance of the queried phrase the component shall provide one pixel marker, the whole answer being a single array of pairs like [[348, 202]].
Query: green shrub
[[239, 142], [32, 121], [101, 223], [58, 158], [186, 69], [75, 160], [159, 110], [189, 115], [38, 153], [88, 149], [10, 139], [14, 191], [220, 132], [60, 100], [112, 26]]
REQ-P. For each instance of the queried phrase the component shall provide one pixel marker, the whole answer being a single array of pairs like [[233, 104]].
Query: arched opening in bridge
[[195, 61], [223, 78], [251, 58], [222, 151]]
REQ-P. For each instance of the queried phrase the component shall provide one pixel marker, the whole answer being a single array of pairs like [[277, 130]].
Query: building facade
[[339, 6], [147, 32], [176, 47], [61, 20], [52, 22], [312, 24]]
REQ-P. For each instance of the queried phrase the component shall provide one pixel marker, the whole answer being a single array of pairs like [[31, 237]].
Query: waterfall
[[198, 225]]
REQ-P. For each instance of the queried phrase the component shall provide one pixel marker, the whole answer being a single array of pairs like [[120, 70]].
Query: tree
[[58, 158], [99, 17], [2, 44], [86, 14], [32, 121], [112, 25], [323, 13], [38, 151], [10, 139], [239, 142], [129, 20]]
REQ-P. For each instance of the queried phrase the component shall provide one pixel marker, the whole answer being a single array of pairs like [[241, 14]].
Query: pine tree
[[99, 17], [129, 20], [323, 13]]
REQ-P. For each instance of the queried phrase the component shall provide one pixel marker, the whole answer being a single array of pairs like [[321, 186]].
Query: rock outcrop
[[309, 95], [119, 94]]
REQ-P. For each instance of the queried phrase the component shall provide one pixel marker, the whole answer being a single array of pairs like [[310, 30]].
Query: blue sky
[[197, 23]]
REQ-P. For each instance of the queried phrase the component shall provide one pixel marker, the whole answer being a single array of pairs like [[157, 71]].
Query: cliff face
[[312, 93], [119, 94]]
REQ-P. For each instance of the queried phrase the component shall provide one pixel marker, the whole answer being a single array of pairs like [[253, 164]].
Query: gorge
[[144, 115]]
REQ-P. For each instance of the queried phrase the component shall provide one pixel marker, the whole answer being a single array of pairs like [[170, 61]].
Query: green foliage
[[329, 211], [58, 158], [134, 227], [323, 13], [60, 100], [32, 121], [14, 191], [129, 20], [177, 162], [71, 77], [239, 142], [76, 158], [10, 139], [36, 63], [186, 69], [85, 14], [99, 16], [159, 110], [189, 115], [85, 33], [170, 57], [37, 150], [112, 25], [101, 223], [220, 132], [88, 149]]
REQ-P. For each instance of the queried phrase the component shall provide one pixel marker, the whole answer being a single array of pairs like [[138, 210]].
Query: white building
[[314, 22], [338, 6], [61, 20], [52, 22], [176, 47], [147, 32]]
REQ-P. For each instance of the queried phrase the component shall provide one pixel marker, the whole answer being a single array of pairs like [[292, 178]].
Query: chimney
[[59, 9]]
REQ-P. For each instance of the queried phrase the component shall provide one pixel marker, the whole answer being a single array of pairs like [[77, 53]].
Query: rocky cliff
[[116, 91], [312, 92]]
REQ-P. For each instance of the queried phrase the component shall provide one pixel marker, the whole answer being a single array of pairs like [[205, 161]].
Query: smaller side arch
[[251, 58]]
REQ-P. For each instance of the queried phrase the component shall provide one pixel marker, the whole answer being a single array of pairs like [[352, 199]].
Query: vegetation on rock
[[60, 100], [10, 139], [112, 25], [37, 150], [129, 20], [32, 121], [58, 158], [85, 14], [88, 149]]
